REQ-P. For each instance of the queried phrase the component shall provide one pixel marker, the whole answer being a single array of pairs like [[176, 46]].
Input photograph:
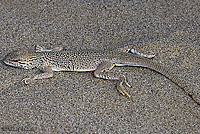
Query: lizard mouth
[[7, 62]]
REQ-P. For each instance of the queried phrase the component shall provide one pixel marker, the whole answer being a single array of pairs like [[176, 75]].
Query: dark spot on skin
[[68, 67]]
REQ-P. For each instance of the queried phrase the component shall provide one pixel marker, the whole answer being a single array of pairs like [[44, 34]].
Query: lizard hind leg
[[102, 71], [133, 51], [141, 54]]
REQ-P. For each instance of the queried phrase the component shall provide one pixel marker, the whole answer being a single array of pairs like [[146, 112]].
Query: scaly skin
[[101, 62]]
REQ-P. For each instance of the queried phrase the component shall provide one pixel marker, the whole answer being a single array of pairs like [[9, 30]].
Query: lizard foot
[[120, 86], [27, 80], [141, 54]]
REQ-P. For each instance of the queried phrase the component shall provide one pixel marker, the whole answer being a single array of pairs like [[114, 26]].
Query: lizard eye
[[16, 60]]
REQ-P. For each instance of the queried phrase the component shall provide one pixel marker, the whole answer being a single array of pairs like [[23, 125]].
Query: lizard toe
[[120, 88]]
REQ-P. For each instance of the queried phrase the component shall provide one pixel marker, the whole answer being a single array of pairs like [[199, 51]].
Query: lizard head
[[21, 59]]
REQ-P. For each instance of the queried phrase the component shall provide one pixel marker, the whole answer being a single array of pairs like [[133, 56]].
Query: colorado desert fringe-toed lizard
[[101, 62]]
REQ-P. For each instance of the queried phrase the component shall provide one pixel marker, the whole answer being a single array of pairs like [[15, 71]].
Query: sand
[[73, 102]]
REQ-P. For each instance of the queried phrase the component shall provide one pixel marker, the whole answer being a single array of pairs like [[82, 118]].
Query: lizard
[[100, 62]]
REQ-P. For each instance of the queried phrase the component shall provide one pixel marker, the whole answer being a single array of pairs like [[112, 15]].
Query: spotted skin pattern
[[101, 62]]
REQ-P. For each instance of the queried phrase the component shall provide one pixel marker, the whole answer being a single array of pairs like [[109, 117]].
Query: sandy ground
[[77, 102]]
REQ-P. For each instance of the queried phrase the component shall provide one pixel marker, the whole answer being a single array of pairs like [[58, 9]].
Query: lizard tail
[[155, 67]]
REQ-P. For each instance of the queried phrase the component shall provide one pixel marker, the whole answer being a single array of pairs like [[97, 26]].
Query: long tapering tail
[[158, 68]]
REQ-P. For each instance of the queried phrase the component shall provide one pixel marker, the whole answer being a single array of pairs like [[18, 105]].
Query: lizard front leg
[[102, 71], [47, 73]]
